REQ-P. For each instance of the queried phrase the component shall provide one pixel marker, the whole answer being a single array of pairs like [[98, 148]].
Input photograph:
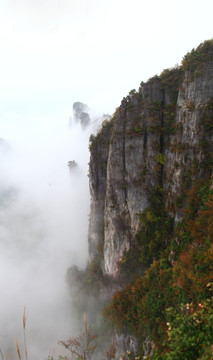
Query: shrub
[[190, 331]]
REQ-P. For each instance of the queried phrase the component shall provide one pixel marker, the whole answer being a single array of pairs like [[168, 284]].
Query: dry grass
[[81, 347], [18, 349], [24, 334], [24, 328], [85, 323]]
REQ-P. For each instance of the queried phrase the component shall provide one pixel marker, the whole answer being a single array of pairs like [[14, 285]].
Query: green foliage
[[154, 236], [210, 104], [171, 80], [138, 308], [135, 130], [169, 126], [207, 116], [196, 59], [132, 92], [190, 331], [155, 128], [138, 130], [206, 124], [180, 200], [152, 239], [161, 159], [103, 135]]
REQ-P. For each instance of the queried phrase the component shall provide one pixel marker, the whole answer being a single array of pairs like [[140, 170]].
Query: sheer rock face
[[98, 176], [189, 149], [129, 175], [159, 136]]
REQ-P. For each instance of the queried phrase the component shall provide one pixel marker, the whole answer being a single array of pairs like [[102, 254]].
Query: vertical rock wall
[[159, 136]]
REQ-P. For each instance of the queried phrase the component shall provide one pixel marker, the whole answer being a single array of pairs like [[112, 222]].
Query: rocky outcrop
[[81, 114], [159, 136]]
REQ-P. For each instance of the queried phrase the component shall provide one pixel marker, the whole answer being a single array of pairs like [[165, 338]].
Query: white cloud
[[49, 48]]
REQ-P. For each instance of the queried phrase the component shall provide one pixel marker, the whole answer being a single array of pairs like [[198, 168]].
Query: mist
[[44, 213]]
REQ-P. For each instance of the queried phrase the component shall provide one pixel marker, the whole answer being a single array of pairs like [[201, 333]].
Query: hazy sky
[[54, 52]]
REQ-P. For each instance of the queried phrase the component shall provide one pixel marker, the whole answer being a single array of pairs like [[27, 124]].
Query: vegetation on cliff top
[[194, 60]]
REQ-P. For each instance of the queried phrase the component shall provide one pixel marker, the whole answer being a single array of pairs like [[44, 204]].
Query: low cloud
[[44, 213]]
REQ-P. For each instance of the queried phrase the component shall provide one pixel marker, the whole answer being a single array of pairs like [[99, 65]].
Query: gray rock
[[81, 114]]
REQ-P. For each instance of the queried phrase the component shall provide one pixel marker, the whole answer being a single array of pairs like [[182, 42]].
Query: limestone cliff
[[160, 135]]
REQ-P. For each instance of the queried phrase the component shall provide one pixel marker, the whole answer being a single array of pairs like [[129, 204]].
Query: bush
[[190, 331]]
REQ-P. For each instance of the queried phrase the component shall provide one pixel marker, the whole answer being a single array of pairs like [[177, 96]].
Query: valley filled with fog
[[44, 214]]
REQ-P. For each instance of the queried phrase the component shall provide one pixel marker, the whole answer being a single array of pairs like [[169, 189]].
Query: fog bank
[[44, 211]]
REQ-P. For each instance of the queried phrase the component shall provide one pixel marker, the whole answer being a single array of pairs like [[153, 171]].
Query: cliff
[[161, 135], [150, 230]]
